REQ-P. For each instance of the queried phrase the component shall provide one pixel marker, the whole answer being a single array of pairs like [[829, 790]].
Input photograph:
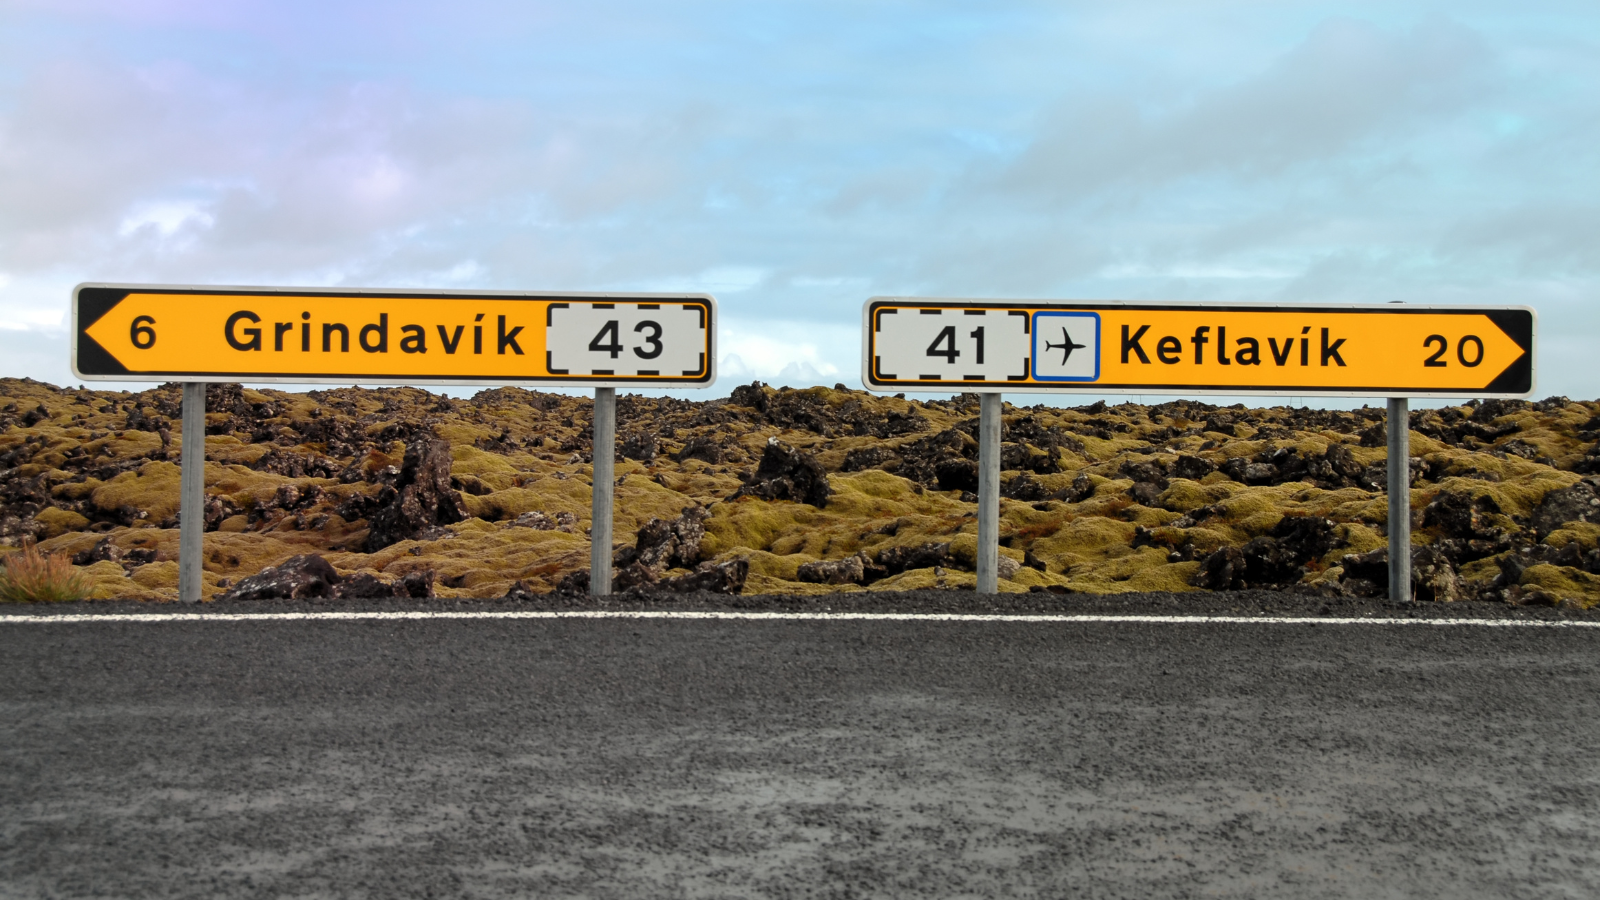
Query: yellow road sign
[[1098, 347], [142, 333]]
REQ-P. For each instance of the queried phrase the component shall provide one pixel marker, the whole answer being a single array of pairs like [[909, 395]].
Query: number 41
[[947, 338]]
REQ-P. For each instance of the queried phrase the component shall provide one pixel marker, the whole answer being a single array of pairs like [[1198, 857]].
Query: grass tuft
[[30, 576]]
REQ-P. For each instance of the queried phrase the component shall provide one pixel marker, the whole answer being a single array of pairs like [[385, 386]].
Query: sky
[[794, 159]]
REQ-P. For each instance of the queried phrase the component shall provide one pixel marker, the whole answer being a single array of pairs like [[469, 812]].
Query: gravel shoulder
[[1205, 603]]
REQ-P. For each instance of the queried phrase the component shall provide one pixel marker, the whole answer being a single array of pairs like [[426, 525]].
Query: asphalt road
[[663, 758]]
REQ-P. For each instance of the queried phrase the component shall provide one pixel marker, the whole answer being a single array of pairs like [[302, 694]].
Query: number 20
[[1435, 362]]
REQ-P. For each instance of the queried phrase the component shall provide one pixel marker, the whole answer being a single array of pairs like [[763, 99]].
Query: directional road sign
[[153, 333], [1146, 348]]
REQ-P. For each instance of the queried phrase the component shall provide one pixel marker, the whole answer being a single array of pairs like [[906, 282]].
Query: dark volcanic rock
[[669, 545], [341, 436], [895, 560], [418, 585], [217, 509], [1025, 444], [1193, 468], [422, 498], [920, 459], [850, 570], [639, 445], [101, 551], [1459, 515], [788, 473], [1149, 471], [1082, 488], [1222, 571], [717, 578], [1277, 558], [298, 578], [633, 575], [1579, 503], [1366, 574], [1334, 468], [1145, 493], [956, 475], [297, 465], [366, 586], [701, 447], [1026, 488], [1433, 576], [574, 584], [817, 410], [863, 458]]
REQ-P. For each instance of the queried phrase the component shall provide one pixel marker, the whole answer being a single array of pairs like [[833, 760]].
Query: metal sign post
[[192, 491], [199, 334], [989, 494], [605, 486], [1098, 347], [1399, 426]]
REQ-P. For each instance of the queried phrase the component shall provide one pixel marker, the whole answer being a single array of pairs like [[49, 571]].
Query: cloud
[[1544, 240], [103, 167], [35, 353], [799, 354], [1347, 86]]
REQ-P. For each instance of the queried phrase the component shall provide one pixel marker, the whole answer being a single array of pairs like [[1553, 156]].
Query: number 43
[[600, 344], [945, 345]]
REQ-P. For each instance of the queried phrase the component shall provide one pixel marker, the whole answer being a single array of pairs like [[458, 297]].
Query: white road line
[[72, 619]]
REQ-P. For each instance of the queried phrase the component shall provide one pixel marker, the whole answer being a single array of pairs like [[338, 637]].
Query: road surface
[[797, 758]]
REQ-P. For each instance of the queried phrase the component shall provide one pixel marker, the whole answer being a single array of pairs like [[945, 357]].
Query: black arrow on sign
[[1517, 325]]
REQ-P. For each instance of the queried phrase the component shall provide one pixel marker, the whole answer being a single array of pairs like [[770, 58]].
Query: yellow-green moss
[[153, 488], [1085, 537], [76, 490], [926, 579], [782, 567], [493, 469], [1330, 576], [1184, 495], [758, 583], [60, 521], [162, 576], [782, 527], [1585, 534], [1564, 582], [1358, 538]]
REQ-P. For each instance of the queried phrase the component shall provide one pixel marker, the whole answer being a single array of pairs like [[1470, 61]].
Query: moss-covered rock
[[290, 474]]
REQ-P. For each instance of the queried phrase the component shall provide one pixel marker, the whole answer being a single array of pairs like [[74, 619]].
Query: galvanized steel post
[[605, 443], [1399, 500], [192, 492], [989, 494]]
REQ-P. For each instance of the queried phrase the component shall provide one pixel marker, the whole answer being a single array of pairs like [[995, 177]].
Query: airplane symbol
[[1066, 345]]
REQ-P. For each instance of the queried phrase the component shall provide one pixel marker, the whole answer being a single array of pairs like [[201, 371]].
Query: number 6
[[142, 335]]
